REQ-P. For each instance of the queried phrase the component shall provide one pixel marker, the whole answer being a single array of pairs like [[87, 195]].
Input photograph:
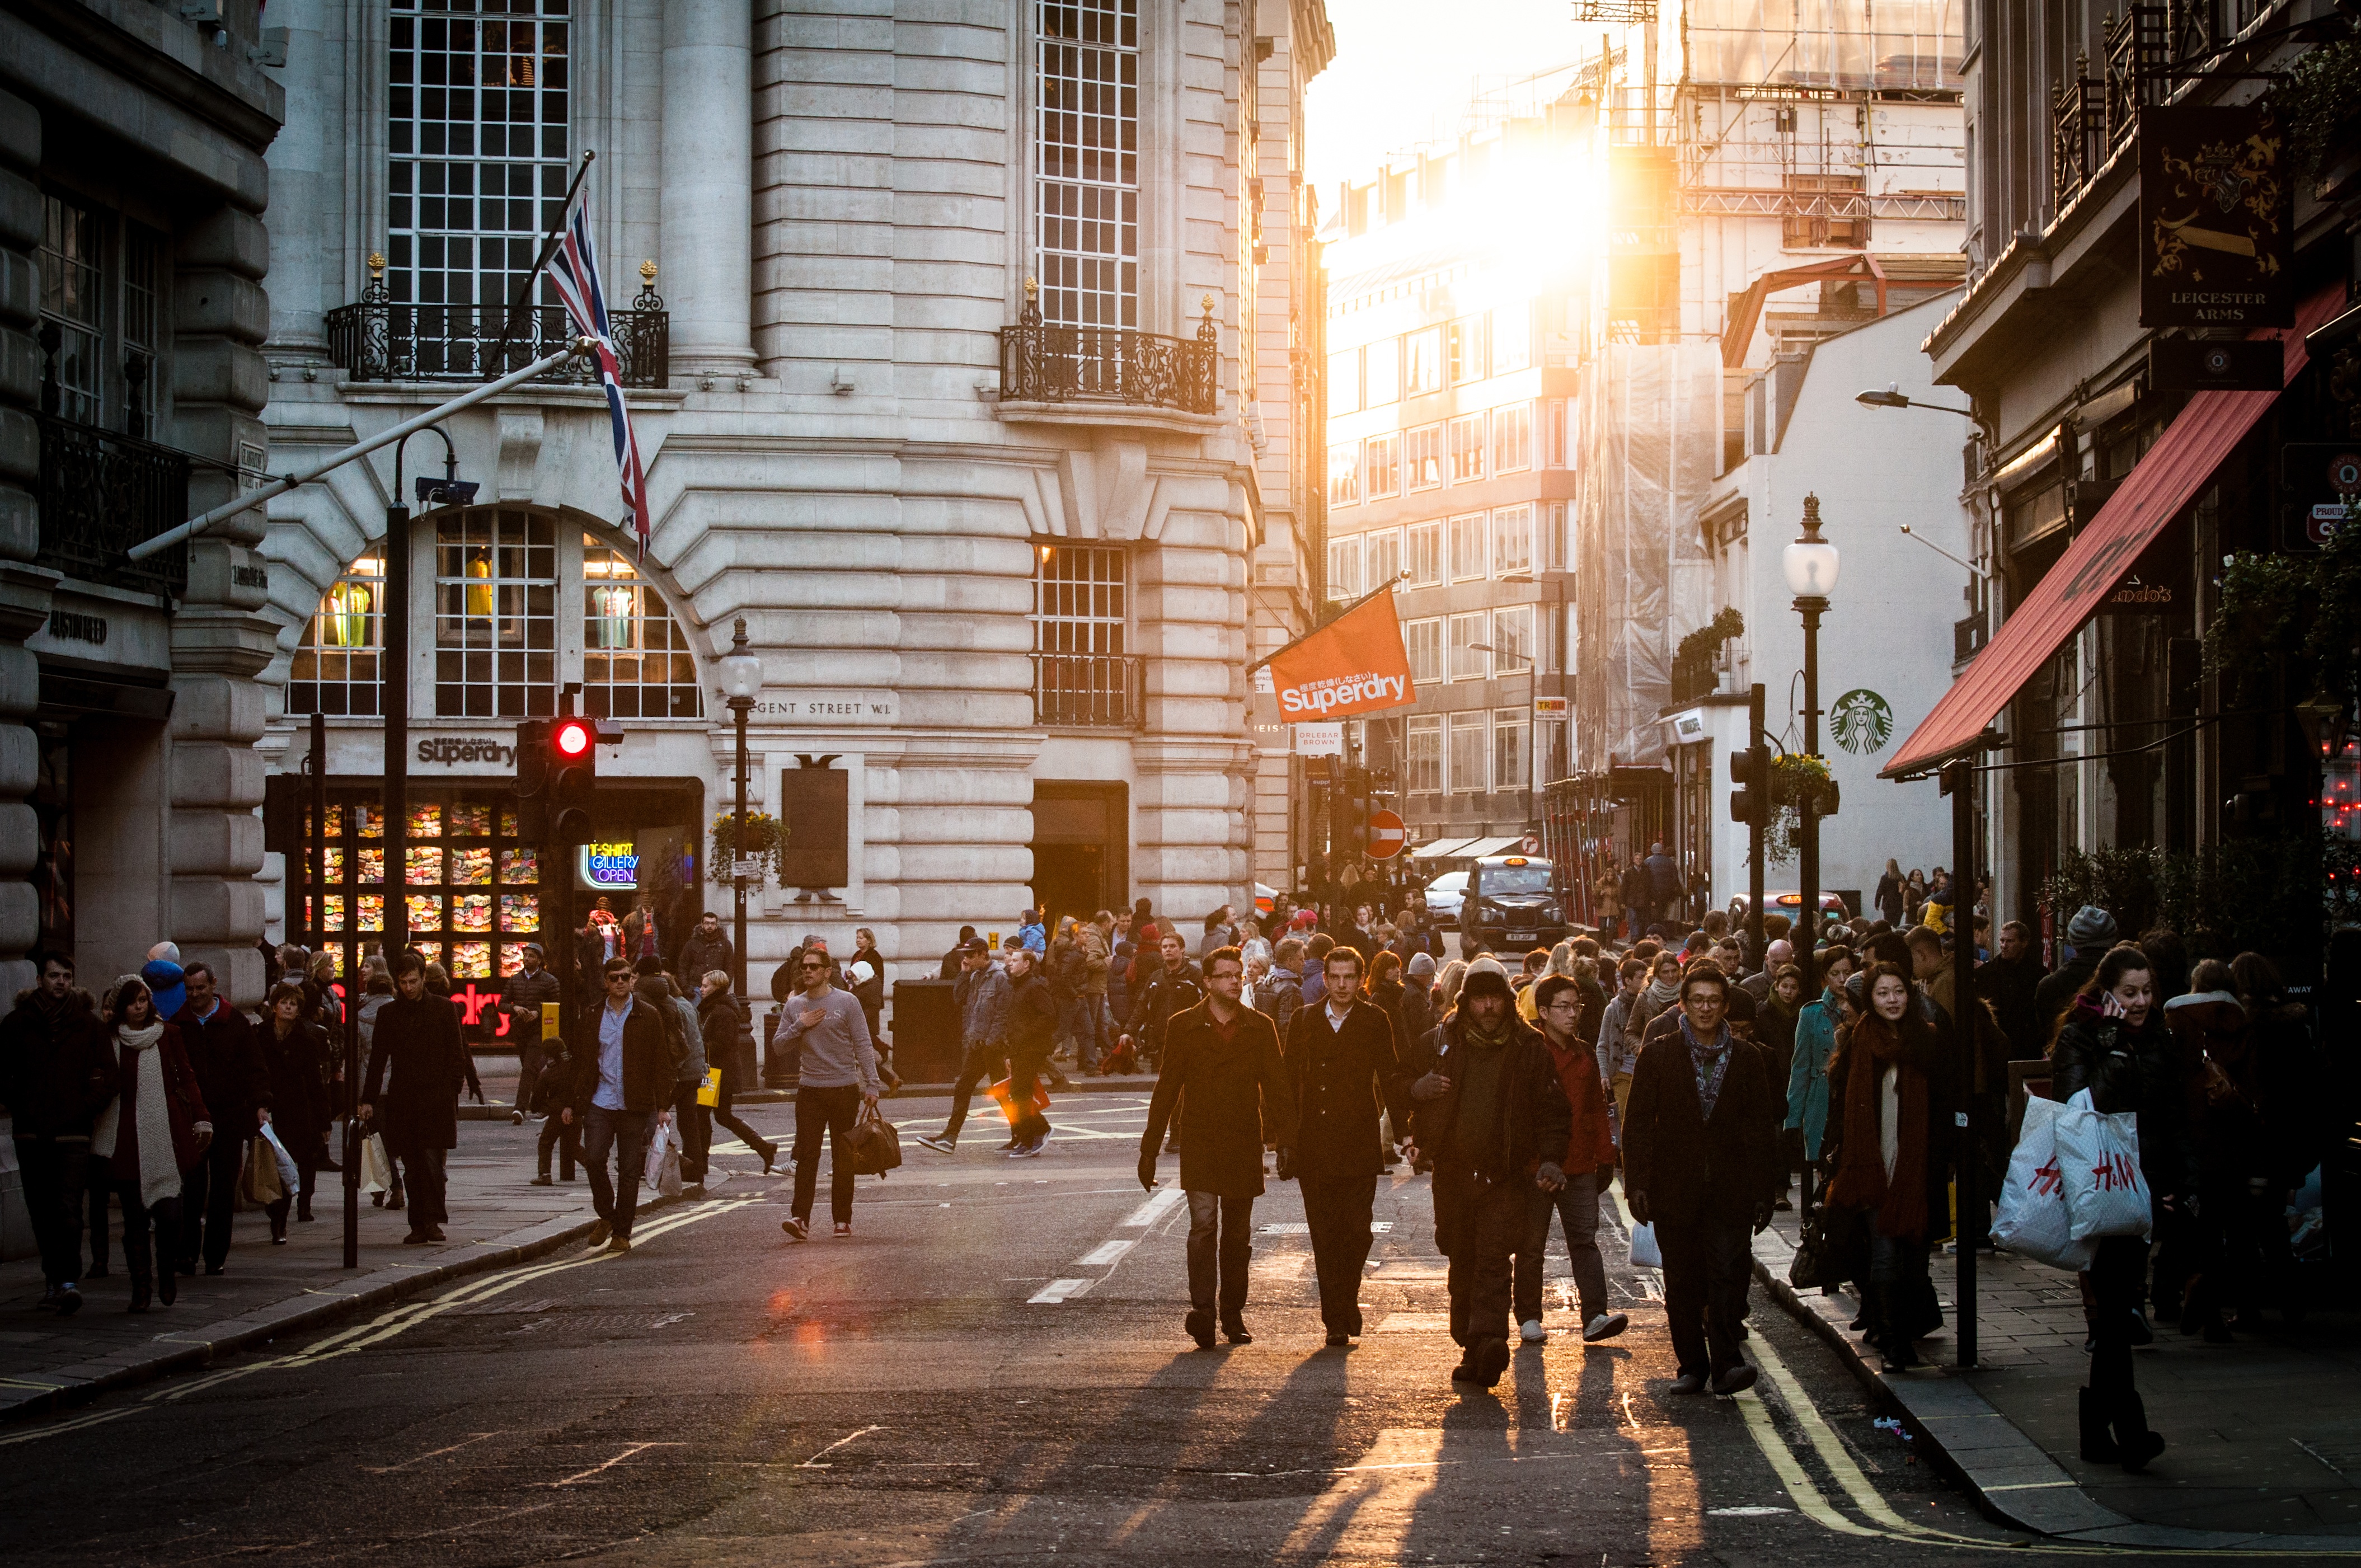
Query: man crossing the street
[[1174, 988], [1032, 1034], [1222, 1071], [839, 1076], [419, 1061], [1341, 1069], [1590, 1162], [982, 996], [1492, 1116], [623, 1076]]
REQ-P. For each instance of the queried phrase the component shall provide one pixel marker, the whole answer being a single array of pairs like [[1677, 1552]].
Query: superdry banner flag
[[2216, 217], [1355, 663]]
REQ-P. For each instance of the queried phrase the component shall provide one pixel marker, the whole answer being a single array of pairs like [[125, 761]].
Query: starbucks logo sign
[[1863, 720]]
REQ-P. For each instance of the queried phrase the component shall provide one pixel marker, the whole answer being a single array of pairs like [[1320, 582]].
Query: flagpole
[[1384, 588], [548, 246]]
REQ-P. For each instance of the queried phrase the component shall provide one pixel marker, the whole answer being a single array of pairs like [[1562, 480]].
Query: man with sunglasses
[[625, 1079], [840, 1075]]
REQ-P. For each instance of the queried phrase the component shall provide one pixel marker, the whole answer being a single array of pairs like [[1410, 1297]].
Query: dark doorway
[[1080, 843]]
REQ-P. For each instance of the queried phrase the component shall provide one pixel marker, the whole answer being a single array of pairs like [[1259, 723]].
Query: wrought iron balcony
[[1041, 362], [2090, 117], [101, 494], [381, 339], [1098, 691]]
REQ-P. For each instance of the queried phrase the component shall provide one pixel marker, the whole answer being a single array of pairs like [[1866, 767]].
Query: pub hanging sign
[[2216, 218]]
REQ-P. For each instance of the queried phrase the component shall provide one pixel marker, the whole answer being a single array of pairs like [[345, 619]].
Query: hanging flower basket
[[766, 841]]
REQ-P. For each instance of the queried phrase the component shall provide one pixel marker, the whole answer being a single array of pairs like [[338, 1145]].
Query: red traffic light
[[572, 737]]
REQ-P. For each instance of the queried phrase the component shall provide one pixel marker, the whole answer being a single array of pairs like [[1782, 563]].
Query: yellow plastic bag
[[710, 1092]]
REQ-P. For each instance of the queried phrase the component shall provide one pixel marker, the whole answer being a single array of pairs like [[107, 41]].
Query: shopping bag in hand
[[1005, 1096], [663, 1161], [376, 1166], [2034, 1220], [290, 1179], [710, 1092], [1645, 1253], [258, 1185], [2098, 1154]]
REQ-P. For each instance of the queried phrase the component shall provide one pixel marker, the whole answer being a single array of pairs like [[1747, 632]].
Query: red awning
[[2178, 465]]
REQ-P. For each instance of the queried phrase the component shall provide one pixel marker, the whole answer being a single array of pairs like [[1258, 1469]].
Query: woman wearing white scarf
[[148, 1134]]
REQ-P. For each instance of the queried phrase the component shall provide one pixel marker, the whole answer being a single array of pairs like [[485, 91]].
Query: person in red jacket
[[1589, 1163]]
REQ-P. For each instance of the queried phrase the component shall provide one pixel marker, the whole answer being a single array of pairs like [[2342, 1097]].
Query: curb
[[313, 1308], [2012, 1478], [501, 1111]]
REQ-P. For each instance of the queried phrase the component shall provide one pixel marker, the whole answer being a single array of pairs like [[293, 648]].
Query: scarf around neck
[[159, 1163], [1711, 1060], [1899, 1205]]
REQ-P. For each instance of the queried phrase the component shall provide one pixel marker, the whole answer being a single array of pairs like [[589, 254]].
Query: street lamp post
[[1810, 566], [742, 679]]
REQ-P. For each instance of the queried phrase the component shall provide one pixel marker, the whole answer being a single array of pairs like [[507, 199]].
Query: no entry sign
[[1387, 835]]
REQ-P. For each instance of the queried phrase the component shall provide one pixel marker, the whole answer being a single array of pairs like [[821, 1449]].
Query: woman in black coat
[[295, 1054], [730, 1045], [2112, 1041]]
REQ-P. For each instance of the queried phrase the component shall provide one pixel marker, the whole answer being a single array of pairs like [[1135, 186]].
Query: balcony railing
[[1044, 364], [382, 340], [1086, 690], [2090, 117], [101, 494]]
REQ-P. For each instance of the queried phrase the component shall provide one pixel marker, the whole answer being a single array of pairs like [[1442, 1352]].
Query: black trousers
[[306, 1152], [1337, 1208], [1478, 1230], [138, 1220], [55, 1171], [977, 1069], [102, 1192], [1024, 1074], [829, 1111], [728, 1117], [565, 1138], [1706, 1267], [208, 1194], [695, 1125], [429, 1185], [1220, 1244], [2118, 1280]]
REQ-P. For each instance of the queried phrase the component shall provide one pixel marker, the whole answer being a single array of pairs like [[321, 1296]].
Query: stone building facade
[[966, 371]]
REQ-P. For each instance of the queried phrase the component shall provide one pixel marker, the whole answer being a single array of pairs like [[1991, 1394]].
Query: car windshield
[[1499, 881]]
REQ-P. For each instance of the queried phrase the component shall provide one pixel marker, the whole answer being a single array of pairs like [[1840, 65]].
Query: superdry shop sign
[[1355, 663], [467, 748], [2216, 217]]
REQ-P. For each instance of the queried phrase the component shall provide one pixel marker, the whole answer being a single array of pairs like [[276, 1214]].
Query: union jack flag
[[573, 271]]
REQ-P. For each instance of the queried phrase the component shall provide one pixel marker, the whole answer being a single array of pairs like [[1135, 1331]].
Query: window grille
[[335, 667], [1422, 639], [1467, 547], [495, 613], [1511, 763], [1425, 555], [636, 661], [72, 303], [1384, 556], [1466, 755], [1383, 461], [1087, 67], [1512, 539], [1512, 438], [1469, 662], [1344, 474]]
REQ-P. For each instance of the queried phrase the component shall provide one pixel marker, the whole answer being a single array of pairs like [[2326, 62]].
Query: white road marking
[[1161, 1202], [595, 1469], [1104, 1254], [1059, 1290], [814, 1462]]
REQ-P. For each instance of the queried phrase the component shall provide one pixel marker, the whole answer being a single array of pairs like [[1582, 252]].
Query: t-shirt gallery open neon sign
[[614, 864]]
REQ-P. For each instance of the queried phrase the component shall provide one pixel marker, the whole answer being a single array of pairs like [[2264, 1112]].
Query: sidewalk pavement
[[2264, 1433], [497, 1218]]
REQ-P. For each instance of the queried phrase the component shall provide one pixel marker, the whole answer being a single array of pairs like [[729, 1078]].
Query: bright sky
[[1405, 71]]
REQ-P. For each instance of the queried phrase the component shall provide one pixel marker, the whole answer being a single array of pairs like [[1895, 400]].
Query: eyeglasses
[[621, 977], [814, 963]]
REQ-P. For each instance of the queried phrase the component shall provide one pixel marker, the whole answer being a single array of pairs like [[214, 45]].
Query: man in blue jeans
[[623, 1079]]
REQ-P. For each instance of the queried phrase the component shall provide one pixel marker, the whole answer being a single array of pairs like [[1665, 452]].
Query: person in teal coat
[[1816, 1037]]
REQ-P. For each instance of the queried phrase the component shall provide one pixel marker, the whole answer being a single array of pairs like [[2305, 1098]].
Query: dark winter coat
[[57, 1072], [1032, 1027], [1341, 1080], [1533, 1121], [648, 1076], [299, 1065], [1695, 1170], [728, 1032], [227, 1060], [2138, 1070], [1163, 996], [2055, 992], [2011, 985], [420, 1063], [1232, 1095], [523, 996], [700, 955]]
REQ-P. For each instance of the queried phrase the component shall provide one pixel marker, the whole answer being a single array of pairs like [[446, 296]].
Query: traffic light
[[1353, 804], [557, 775], [1751, 801]]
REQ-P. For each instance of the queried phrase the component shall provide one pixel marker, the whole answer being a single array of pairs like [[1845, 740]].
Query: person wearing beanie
[[1422, 967], [1493, 1117], [165, 982], [2089, 935]]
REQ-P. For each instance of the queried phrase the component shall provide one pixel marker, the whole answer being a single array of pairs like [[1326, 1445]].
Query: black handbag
[[1833, 1249]]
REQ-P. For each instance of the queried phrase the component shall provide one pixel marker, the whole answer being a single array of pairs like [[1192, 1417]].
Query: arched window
[[514, 603]]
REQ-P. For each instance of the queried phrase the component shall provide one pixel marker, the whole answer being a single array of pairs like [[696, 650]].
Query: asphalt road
[[909, 1395]]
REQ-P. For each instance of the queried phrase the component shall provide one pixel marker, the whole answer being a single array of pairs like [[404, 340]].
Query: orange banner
[[1355, 663]]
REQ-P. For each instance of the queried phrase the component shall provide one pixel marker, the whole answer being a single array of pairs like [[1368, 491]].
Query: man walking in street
[[1699, 1164], [1032, 1034], [624, 1077], [1342, 1070], [1665, 893], [2088, 934], [1176, 987], [227, 1057], [1492, 1117], [528, 991], [2009, 979], [418, 1059], [1590, 1162], [707, 948], [1221, 1070], [840, 1077], [982, 996], [57, 1074]]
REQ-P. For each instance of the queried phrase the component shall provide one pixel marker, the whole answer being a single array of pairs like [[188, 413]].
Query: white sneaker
[[1532, 1332], [1607, 1325]]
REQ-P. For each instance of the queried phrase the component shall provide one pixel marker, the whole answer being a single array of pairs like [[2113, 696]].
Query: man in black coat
[[417, 1055], [1494, 1119], [2089, 935], [1222, 1074], [707, 948], [1342, 1068], [528, 991], [56, 1076], [2009, 979], [1699, 1163], [1176, 987], [1032, 1034], [235, 1085]]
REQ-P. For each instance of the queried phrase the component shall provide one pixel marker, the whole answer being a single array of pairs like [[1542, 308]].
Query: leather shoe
[[1235, 1330], [1200, 1324], [1689, 1382], [1340, 1342], [1734, 1380]]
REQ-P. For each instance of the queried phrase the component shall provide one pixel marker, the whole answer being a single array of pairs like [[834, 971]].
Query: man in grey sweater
[[840, 1075]]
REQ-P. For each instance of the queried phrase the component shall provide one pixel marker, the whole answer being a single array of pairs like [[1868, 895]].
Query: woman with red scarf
[[1891, 1166]]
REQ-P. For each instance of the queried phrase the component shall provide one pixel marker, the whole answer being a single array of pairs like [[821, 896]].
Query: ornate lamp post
[[742, 679], [1810, 566]]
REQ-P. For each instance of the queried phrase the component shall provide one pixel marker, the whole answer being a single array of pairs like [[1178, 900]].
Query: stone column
[[307, 184], [220, 639], [24, 587], [706, 210]]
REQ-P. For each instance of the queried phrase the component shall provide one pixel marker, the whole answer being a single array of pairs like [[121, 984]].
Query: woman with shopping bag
[[295, 1055], [2112, 1042]]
